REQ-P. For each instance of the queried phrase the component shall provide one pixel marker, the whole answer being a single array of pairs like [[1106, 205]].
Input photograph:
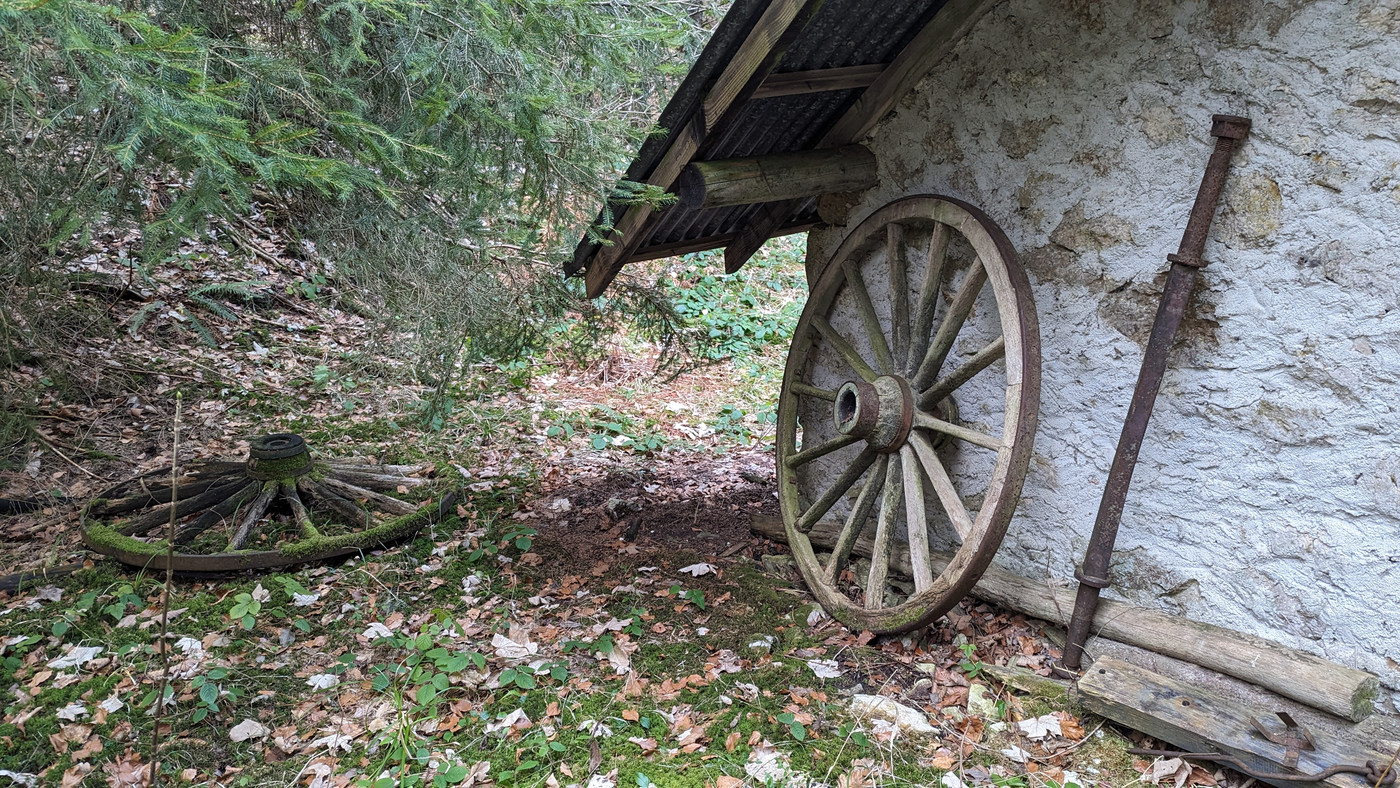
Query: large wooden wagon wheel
[[908, 408], [282, 506]]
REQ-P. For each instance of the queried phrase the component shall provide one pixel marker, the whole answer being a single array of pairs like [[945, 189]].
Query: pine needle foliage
[[454, 145]]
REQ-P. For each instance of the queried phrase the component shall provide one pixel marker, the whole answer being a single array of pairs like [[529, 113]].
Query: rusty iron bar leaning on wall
[[1093, 572]]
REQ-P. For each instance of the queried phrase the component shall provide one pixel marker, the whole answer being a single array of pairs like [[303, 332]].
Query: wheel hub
[[281, 455], [881, 412]]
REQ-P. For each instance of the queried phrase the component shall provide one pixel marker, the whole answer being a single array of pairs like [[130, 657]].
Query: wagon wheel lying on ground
[[281, 507], [908, 373]]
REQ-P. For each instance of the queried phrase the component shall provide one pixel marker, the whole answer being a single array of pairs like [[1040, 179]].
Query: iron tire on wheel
[[870, 382]]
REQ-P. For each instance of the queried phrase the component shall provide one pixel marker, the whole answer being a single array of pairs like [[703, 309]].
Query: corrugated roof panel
[[842, 33]]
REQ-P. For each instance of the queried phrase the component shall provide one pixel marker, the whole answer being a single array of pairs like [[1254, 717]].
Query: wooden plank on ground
[[1307, 678], [1196, 720]]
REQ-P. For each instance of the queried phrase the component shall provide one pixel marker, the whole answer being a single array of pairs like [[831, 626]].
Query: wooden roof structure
[[767, 120]]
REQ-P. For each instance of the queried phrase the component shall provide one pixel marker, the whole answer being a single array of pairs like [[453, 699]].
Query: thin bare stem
[[165, 597]]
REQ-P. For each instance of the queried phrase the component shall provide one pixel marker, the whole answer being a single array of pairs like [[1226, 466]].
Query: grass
[[422, 700]]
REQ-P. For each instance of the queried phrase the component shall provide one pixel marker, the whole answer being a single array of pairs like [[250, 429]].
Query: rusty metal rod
[[1093, 572]]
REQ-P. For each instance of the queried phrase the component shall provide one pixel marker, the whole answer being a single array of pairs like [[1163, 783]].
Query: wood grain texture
[[1196, 719], [821, 80], [1311, 680], [782, 176]]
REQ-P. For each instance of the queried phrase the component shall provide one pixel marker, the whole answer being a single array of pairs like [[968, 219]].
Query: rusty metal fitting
[[1181, 259], [881, 412], [1231, 127], [856, 409], [1091, 580]]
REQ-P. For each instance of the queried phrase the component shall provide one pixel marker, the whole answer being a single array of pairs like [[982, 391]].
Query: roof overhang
[[777, 77]]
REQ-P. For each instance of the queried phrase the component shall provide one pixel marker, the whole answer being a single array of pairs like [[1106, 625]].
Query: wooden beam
[[953, 21], [782, 176], [752, 62], [1306, 678], [678, 248], [795, 83], [1198, 720]]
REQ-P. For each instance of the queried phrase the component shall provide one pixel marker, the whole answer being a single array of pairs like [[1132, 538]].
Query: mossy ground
[[406, 708], [716, 675]]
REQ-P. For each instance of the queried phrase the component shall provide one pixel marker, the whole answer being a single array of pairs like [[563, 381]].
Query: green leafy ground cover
[[595, 613]]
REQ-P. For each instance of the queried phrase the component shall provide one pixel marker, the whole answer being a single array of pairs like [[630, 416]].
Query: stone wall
[[1267, 497]]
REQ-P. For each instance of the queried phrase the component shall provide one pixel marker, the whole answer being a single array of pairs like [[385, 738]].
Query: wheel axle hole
[[846, 406]]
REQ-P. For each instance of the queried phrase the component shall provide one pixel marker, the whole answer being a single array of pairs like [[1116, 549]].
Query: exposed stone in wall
[[1267, 496]]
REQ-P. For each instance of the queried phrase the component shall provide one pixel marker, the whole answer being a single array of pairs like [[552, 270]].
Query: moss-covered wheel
[[282, 506], [908, 409]]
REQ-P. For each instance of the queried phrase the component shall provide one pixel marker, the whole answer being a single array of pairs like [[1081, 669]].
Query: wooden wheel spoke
[[960, 432], [254, 513], [844, 348], [807, 455], [928, 295], [927, 304], [812, 391], [869, 319], [899, 290], [916, 519], [833, 494], [942, 485], [942, 388], [299, 511], [952, 323], [855, 521], [353, 492], [884, 536]]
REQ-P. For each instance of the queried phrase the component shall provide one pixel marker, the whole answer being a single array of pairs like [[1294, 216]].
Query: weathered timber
[[677, 248], [1198, 720], [1346, 692], [1029, 681], [751, 64], [782, 176], [794, 83], [932, 43]]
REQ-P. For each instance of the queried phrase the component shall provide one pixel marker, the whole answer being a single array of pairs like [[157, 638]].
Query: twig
[[164, 372], [165, 598], [1388, 767], [39, 436]]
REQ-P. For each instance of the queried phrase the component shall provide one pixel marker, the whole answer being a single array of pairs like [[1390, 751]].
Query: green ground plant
[[439, 158]]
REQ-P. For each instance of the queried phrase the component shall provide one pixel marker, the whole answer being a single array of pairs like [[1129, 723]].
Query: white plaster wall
[[1267, 497]]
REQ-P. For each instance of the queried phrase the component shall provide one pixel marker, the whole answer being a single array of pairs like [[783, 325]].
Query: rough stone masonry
[[1267, 497]]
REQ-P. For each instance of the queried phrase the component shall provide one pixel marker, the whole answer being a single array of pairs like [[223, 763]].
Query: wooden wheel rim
[[1020, 340]]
